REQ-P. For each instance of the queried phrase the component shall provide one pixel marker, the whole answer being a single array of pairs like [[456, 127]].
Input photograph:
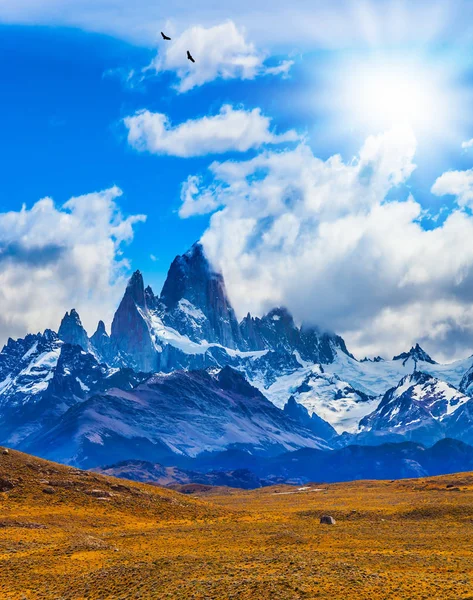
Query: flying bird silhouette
[[165, 37], [190, 57]]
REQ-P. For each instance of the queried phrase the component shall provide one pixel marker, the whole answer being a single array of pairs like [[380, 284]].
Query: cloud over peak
[[322, 238], [55, 257]]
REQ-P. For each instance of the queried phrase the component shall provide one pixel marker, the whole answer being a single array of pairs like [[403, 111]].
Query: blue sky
[[71, 78], [65, 97]]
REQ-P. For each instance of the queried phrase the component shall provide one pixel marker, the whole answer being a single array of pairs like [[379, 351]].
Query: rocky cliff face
[[193, 325], [196, 301], [131, 332], [278, 330], [317, 425], [72, 332]]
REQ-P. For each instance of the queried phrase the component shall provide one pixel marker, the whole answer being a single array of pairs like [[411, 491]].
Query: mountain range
[[180, 376]]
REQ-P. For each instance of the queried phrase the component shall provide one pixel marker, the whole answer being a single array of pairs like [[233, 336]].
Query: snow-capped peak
[[416, 353]]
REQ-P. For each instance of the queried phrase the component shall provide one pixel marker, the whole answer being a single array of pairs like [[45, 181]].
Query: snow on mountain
[[316, 424], [416, 354], [417, 408], [375, 378], [42, 377], [185, 412], [26, 367], [193, 325], [466, 383], [322, 393], [196, 301]]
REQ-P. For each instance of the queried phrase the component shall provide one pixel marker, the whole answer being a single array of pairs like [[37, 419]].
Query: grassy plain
[[96, 537]]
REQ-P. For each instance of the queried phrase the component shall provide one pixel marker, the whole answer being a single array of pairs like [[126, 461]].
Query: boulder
[[6, 485], [327, 520]]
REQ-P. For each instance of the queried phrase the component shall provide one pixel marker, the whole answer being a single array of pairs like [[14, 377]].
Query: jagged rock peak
[[376, 359], [192, 278], [72, 331], [136, 289], [185, 273], [313, 422], [417, 354], [130, 332], [101, 330]]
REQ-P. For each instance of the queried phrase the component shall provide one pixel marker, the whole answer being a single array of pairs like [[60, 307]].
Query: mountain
[[322, 394], [196, 302], [238, 469], [375, 378], [120, 396], [313, 422], [192, 324], [418, 408], [386, 461], [72, 332], [42, 377], [26, 371], [183, 413], [131, 332], [141, 470], [417, 354]]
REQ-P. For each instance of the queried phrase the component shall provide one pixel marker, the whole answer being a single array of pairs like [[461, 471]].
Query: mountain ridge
[[50, 381]]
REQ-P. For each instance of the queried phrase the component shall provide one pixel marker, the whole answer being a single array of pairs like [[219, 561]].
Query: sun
[[385, 94], [369, 94]]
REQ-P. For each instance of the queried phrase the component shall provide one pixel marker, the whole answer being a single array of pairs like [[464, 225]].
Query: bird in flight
[[190, 57], [165, 37]]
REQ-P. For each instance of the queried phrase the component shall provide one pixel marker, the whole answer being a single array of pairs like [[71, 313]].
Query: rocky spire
[[191, 277], [71, 330], [100, 331], [130, 329], [136, 289], [416, 353]]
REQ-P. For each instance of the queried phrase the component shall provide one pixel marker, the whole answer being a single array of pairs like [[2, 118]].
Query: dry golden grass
[[411, 539]]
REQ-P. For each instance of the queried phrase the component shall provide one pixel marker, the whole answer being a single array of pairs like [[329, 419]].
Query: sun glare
[[388, 97], [370, 95], [385, 95]]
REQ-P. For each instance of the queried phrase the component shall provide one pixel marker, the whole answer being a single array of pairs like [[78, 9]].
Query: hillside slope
[[97, 537]]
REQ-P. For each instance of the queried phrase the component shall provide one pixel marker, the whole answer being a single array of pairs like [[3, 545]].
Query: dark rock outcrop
[[417, 354], [72, 331], [131, 332], [193, 288]]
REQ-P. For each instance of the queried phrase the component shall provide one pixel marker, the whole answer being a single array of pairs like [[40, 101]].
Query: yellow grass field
[[89, 536]]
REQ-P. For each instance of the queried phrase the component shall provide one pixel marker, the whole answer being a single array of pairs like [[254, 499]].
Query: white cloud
[[231, 129], [220, 52], [194, 201], [321, 238], [456, 183], [305, 23], [54, 258], [468, 144], [281, 69]]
